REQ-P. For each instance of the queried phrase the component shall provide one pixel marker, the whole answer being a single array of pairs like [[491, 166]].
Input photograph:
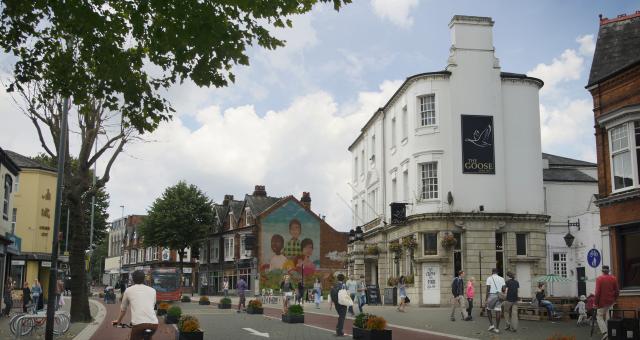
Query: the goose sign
[[477, 145]]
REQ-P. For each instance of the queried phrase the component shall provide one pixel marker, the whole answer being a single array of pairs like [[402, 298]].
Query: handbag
[[406, 299], [344, 298]]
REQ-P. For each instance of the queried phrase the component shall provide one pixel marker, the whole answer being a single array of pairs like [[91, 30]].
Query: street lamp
[[352, 236], [568, 238], [359, 235]]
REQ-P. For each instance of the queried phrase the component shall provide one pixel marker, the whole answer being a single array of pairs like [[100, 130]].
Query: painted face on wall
[[277, 243], [295, 229], [307, 247]]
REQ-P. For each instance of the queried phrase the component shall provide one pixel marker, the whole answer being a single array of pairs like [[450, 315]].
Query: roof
[[507, 75], [25, 162], [617, 48], [236, 208], [566, 175], [258, 204], [559, 161], [7, 161]]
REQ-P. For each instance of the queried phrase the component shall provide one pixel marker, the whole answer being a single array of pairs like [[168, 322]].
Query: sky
[[288, 119]]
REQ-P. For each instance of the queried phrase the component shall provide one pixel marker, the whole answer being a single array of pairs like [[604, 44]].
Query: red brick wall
[[619, 213], [331, 240]]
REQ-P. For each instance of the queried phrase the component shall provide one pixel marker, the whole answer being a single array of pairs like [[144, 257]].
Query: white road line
[[312, 326]]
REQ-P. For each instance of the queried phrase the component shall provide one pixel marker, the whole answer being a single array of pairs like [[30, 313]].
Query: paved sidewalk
[[436, 320], [38, 333]]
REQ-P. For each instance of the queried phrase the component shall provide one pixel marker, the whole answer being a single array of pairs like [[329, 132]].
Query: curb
[[91, 328]]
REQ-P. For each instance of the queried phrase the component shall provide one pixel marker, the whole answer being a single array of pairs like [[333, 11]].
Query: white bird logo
[[481, 139]]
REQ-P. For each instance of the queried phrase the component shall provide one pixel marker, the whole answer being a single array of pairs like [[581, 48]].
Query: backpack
[[455, 287]]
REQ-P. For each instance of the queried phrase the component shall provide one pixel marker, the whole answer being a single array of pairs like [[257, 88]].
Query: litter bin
[[622, 327]]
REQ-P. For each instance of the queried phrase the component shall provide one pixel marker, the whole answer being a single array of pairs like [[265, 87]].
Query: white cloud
[[567, 126], [567, 67], [302, 147], [587, 45], [396, 11]]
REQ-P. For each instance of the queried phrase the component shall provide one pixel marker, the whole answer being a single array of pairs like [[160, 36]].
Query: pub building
[[447, 176]]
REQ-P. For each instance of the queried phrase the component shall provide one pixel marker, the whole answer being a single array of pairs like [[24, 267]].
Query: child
[[305, 259], [293, 248], [582, 310], [277, 259]]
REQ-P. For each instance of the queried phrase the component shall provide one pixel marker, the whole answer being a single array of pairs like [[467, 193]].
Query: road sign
[[594, 258]]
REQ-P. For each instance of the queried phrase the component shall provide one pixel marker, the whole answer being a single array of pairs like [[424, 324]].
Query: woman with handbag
[[402, 291]]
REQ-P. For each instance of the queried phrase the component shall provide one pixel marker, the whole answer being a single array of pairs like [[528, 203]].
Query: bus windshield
[[165, 282]]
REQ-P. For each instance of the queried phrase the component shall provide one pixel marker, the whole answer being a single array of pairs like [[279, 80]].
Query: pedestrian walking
[[340, 309], [458, 301], [300, 293], [67, 286], [287, 293], [352, 287], [511, 303], [402, 291], [607, 292], [362, 294], [241, 287], [26, 296], [494, 284], [36, 293], [123, 287], [470, 295], [581, 309], [225, 287], [6, 297], [317, 292]]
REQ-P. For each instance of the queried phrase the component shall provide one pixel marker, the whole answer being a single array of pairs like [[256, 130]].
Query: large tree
[[178, 219], [113, 60]]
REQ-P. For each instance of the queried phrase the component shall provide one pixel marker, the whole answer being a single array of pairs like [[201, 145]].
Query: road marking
[[254, 332], [312, 326]]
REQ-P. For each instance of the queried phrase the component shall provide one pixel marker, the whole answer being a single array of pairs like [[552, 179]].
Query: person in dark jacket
[[457, 290], [342, 310], [8, 287], [26, 296]]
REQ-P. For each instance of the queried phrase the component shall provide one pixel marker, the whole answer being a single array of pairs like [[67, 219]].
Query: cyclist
[[141, 298]]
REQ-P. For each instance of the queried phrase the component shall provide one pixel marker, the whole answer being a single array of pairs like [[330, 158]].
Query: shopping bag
[[344, 298]]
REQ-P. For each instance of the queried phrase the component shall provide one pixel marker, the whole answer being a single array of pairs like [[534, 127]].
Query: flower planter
[[204, 302], [224, 306], [371, 334], [251, 310], [291, 318], [199, 335], [170, 319]]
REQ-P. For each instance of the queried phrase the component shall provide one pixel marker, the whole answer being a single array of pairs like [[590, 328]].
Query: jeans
[[36, 299], [361, 302], [342, 314], [353, 296], [469, 306], [318, 298], [226, 292], [549, 306]]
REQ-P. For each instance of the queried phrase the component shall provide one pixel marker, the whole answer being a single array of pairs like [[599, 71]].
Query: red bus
[[166, 282]]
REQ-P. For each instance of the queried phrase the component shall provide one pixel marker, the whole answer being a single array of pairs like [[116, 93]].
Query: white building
[[461, 147], [570, 187], [113, 262]]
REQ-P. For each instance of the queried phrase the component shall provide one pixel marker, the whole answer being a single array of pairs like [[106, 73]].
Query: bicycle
[[28, 322], [148, 333]]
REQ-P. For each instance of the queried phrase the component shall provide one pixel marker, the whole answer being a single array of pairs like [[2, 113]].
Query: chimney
[[471, 33], [260, 191], [226, 200], [306, 200]]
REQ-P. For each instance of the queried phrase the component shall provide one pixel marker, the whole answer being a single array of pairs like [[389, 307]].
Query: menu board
[[373, 295]]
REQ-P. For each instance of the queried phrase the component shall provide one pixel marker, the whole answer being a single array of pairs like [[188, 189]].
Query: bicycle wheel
[[64, 322], [25, 325], [12, 322]]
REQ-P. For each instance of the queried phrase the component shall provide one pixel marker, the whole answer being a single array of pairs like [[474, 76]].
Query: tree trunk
[[181, 263], [78, 244]]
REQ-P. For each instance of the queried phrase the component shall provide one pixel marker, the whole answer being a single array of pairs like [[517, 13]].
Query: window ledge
[[629, 291], [432, 259], [429, 201], [427, 130], [522, 258]]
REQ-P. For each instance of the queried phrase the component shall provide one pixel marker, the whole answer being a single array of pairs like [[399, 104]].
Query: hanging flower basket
[[448, 241], [409, 242], [372, 250], [395, 247]]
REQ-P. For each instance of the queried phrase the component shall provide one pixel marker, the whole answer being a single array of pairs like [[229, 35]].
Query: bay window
[[228, 249], [624, 143]]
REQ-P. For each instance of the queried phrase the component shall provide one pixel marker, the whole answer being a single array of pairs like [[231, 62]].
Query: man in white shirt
[[142, 299], [495, 283]]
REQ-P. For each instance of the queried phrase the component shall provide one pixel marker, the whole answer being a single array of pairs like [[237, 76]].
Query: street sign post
[[594, 258]]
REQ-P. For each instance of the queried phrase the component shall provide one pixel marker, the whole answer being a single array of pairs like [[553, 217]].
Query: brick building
[[287, 237], [614, 83]]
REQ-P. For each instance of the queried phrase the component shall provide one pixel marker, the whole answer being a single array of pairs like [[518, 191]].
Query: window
[[521, 244], [362, 214], [430, 243], [394, 190], [248, 217], [355, 169], [355, 211], [373, 147], [500, 253], [141, 255], [13, 221], [149, 256], [154, 255], [408, 264], [560, 264], [215, 250], [134, 256], [8, 185], [405, 184], [427, 110], [393, 132], [373, 198], [125, 257], [629, 256], [405, 123], [362, 162], [429, 180], [457, 254], [621, 157], [243, 249], [228, 249]]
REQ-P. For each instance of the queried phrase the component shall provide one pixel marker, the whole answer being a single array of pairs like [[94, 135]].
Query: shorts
[[493, 303]]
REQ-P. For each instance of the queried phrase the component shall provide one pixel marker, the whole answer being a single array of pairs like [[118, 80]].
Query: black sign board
[[391, 296], [478, 152], [373, 295]]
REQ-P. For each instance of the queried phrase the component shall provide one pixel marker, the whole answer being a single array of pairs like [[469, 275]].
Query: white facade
[[411, 151]]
